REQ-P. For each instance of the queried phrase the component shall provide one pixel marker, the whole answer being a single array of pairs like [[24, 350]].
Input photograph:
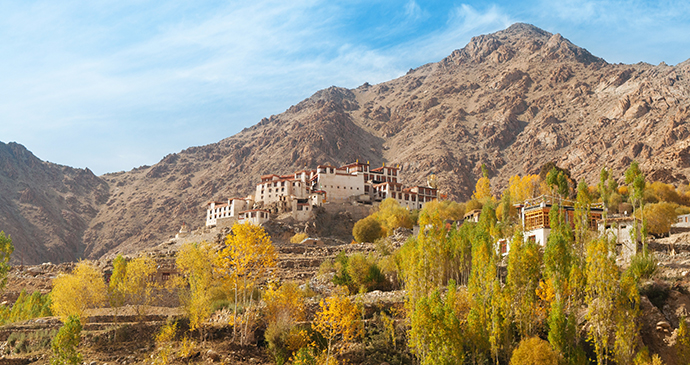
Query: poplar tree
[[524, 274], [601, 292]]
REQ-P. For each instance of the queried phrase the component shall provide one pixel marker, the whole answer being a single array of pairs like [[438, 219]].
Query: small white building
[[622, 229], [682, 221], [254, 216], [225, 213]]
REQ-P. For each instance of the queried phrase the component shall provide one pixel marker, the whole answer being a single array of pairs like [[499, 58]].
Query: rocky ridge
[[514, 100]]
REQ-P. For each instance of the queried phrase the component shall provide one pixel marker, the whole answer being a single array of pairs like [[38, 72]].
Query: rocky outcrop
[[512, 100]]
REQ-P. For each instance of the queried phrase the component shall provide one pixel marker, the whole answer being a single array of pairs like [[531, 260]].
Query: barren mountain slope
[[514, 100], [45, 207]]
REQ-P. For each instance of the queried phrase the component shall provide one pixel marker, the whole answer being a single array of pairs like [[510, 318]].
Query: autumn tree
[[482, 190], [367, 229], [488, 310], [601, 292], [245, 260], [524, 275], [683, 342], [660, 217], [299, 237], [138, 283], [437, 327], [337, 318], [392, 216], [524, 188], [284, 309], [116, 286], [74, 293], [6, 249], [195, 262], [66, 342], [534, 351]]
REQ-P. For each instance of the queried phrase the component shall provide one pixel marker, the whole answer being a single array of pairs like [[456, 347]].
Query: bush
[[298, 237], [359, 273], [534, 351], [660, 217], [66, 342], [643, 265], [367, 230]]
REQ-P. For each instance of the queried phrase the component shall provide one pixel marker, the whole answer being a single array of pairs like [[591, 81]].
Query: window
[[532, 239]]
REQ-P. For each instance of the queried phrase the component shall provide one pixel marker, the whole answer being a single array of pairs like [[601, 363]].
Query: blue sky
[[112, 85]]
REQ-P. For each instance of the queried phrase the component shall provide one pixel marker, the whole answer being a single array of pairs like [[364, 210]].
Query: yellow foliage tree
[[284, 309], [74, 293], [248, 255], [116, 286], [482, 191], [525, 187], [338, 317], [660, 216], [138, 283], [391, 216], [534, 351], [195, 262]]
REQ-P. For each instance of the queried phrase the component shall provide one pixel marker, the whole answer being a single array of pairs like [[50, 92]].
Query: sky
[[113, 85]]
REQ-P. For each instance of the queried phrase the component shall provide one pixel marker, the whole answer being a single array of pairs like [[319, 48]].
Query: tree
[[138, 285], [636, 185], [534, 351], [524, 188], [116, 287], [248, 255], [74, 293], [284, 309], [601, 291], [683, 342], [367, 230], [524, 275], [66, 342], [6, 249], [660, 217], [195, 262], [392, 216], [482, 191], [337, 317], [436, 333]]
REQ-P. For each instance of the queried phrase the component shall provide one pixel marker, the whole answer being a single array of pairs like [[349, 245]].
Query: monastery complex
[[296, 195]]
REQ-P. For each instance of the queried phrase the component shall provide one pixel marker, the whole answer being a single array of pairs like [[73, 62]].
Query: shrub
[[298, 237], [367, 230], [534, 351], [66, 342]]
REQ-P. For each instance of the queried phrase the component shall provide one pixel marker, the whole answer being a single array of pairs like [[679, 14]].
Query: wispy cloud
[[115, 84]]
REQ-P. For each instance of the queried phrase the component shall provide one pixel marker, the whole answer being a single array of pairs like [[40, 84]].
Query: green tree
[[66, 342], [601, 291], [436, 327], [524, 275], [116, 287], [683, 342], [636, 185], [627, 312], [6, 249]]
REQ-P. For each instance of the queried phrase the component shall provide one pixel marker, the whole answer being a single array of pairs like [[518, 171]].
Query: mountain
[[44, 207], [514, 100]]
